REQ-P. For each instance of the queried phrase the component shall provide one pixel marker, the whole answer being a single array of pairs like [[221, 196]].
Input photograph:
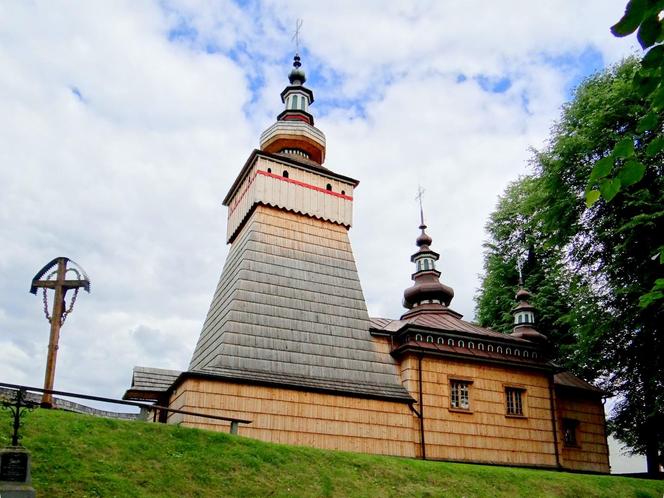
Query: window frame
[[522, 401], [572, 425], [461, 382]]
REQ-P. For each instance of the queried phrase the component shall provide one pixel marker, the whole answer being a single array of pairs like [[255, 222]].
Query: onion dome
[[524, 319], [427, 290], [296, 76], [294, 133]]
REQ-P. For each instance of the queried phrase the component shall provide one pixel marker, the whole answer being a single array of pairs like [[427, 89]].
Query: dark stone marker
[[14, 466], [15, 476]]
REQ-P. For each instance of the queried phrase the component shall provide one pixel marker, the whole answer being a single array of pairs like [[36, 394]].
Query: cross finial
[[418, 197], [519, 267], [296, 35]]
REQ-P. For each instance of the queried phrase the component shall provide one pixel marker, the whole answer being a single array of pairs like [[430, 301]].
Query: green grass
[[82, 456]]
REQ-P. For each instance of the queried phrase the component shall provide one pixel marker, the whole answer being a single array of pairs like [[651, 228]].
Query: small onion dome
[[427, 289], [296, 73], [423, 240], [524, 319]]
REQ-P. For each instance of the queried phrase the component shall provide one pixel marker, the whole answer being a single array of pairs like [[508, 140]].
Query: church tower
[[289, 310]]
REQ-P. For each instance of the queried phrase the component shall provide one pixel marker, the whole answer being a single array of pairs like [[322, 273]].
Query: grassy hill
[[82, 456]]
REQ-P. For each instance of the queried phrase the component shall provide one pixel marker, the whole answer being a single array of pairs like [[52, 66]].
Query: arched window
[[450, 342], [343, 192], [441, 340], [471, 345], [517, 352], [461, 344], [489, 348], [294, 106], [534, 356], [499, 349], [525, 354], [302, 102], [429, 338], [329, 187], [508, 351], [285, 174], [269, 170], [480, 346], [426, 264], [418, 337]]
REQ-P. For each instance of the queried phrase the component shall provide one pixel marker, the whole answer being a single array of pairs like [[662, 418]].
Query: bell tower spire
[[524, 316], [294, 133], [427, 293]]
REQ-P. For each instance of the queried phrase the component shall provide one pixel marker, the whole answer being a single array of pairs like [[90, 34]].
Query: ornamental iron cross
[[418, 197], [56, 279], [296, 35]]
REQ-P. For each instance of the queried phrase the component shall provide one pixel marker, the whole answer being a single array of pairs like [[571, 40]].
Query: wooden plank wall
[[592, 451], [485, 434], [289, 195], [301, 418]]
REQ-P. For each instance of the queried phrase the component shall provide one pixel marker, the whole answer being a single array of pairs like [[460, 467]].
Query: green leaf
[[648, 122], [601, 168], [609, 188], [624, 148], [631, 173], [653, 58], [649, 31], [658, 98], [655, 147], [592, 196], [634, 12], [645, 83]]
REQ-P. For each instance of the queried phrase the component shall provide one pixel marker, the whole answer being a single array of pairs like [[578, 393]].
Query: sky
[[123, 125]]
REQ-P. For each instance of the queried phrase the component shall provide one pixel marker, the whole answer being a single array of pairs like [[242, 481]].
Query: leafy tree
[[595, 262]]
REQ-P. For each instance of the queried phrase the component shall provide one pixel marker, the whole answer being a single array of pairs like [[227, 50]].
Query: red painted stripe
[[235, 203], [305, 185]]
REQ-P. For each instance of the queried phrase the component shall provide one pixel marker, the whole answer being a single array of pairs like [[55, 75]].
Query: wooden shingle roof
[[289, 310], [150, 383]]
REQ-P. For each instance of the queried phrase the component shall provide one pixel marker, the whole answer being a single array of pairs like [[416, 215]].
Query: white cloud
[[118, 145]]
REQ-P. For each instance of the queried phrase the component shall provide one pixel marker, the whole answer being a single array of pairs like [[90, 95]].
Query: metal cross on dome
[[418, 197], [56, 279], [296, 35]]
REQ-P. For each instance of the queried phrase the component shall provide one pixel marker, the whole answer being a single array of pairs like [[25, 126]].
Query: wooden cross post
[[57, 317]]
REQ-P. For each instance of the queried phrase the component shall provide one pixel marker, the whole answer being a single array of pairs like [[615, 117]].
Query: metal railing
[[22, 390]]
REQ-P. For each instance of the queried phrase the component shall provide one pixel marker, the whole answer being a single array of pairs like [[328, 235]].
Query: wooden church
[[288, 343]]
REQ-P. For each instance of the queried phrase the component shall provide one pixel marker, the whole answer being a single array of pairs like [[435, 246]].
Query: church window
[[450, 342], [514, 401], [570, 427], [425, 264], [499, 349], [508, 351], [525, 354], [285, 174], [302, 102], [329, 187], [517, 352], [441, 340], [343, 192], [480, 346], [269, 170], [429, 338], [520, 318], [489, 348], [418, 337], [461, 344], [460, 394], [471, 345], [294, 105]]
